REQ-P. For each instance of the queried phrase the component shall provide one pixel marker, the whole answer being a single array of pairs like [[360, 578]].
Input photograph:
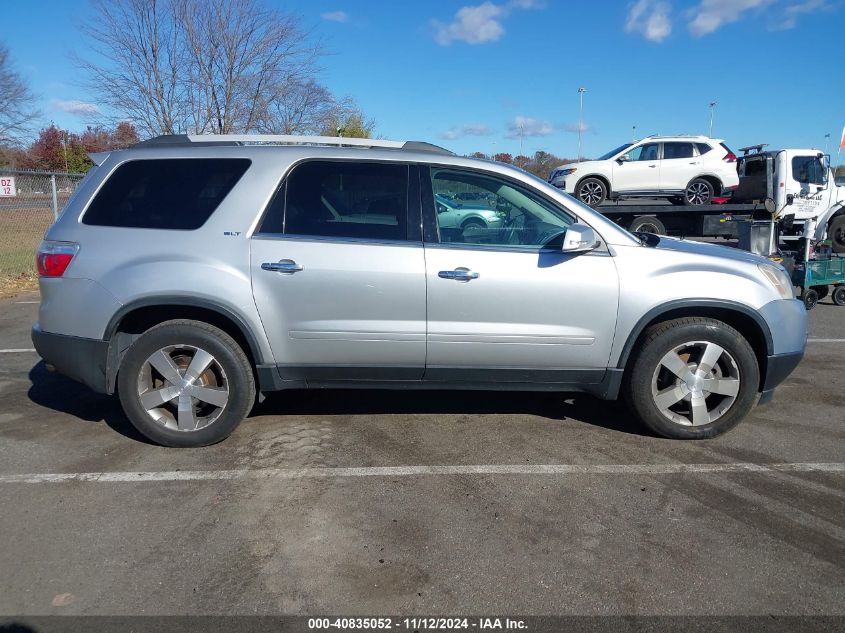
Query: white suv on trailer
[[685, 169]]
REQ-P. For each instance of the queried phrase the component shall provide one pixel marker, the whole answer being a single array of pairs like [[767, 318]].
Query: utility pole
[[633, 133], [64, 148], [712, 110], [521, 137], [581, 92], [827, 144]]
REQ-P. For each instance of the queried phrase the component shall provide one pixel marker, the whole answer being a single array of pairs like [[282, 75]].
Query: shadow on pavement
[[64, 395]]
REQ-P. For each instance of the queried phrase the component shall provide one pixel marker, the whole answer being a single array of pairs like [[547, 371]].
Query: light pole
[[712, 110], [826, 144], [581, 92], [633, 133]]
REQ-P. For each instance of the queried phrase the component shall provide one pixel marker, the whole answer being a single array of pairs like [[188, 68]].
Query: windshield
[[614, 152]]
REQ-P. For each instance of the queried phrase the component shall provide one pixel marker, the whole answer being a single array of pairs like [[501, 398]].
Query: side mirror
[[790, 198], [623, 159], [770, 205], [579, 238]]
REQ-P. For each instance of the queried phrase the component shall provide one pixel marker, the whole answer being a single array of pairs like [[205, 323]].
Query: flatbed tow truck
[[788, 187]]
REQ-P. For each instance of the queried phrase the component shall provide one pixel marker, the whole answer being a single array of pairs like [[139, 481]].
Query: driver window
[[480, 210], [643, 152]]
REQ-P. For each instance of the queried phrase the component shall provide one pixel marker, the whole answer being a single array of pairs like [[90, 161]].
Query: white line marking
[[22, 350], [21, 302], [826, 340], [406, 471]]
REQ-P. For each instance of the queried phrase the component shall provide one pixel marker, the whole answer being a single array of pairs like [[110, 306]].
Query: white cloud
[[791, 13], [473, 129], [651, 19], [79, 108], [573, 127], [710, 15], [335, 16], [479, 24], [523, 126]]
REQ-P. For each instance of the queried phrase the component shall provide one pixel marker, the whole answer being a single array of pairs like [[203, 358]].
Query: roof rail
[[280, 139]]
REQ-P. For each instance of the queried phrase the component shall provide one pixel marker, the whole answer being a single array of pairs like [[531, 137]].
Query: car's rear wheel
[[693, 378], [647, 224], [839, 295], [186, 383], [810, 297], [699, 191], [591, 191], [836, 233]]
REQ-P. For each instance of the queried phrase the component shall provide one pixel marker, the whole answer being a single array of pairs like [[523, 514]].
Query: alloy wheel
[[695, 383], [698, 193], [183, 387], [591, 193]]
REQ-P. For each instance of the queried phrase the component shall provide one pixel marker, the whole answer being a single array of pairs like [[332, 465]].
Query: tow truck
[[789, 187]]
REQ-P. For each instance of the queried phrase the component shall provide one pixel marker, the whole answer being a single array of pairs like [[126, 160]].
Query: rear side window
[[677, 150], [345, 200], [178, 194]]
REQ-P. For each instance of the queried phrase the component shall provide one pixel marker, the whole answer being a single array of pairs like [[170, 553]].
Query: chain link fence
[[29, 203]]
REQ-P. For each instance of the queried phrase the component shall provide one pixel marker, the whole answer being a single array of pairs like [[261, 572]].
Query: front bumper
[[83, 359], [778, 368]]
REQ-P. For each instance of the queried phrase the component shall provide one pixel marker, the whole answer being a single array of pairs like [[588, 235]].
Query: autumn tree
[[503, 157], [17, 102]]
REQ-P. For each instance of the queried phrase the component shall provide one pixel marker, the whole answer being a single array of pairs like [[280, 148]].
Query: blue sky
[[470, 75]]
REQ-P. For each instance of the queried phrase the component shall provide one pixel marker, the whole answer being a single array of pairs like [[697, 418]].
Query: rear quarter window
[[176, 194]]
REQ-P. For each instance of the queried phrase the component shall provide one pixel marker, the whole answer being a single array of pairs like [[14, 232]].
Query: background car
[[685, 169], [455, 214]]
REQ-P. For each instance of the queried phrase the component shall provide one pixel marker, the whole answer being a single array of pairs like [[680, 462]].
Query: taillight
[[53, 258], [730, 158]]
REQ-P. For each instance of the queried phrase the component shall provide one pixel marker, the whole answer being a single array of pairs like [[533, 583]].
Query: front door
[[505, 304], [641, 170], [339, 285]]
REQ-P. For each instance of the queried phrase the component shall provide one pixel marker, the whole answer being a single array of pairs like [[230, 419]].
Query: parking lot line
[[826, 340], [21, 350], [411, 471]]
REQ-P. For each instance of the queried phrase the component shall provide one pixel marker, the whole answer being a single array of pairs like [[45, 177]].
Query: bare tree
[[198, 65], [299, 107], [242, 56], [17, 103]]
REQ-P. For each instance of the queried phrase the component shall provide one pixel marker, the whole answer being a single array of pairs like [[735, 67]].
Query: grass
[[21, 229]]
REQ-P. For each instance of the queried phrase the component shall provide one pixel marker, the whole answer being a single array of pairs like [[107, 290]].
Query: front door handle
[[459, 274], [282, 266], [652, 166]]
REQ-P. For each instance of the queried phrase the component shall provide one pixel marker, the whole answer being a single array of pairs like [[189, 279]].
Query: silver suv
[[192, 274]]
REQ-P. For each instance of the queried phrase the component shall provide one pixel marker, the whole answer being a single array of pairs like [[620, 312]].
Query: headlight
[[566, 172], [779, 279]]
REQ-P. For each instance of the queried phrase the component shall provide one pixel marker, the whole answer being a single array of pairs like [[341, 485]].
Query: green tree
[[349, 125]]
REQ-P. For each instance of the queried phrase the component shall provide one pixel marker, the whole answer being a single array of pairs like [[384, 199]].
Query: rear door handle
[[459, 274], [282, 266]]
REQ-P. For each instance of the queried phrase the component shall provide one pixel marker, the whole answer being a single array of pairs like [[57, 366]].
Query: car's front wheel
[[693, 378], [185, 383], [591, 191]]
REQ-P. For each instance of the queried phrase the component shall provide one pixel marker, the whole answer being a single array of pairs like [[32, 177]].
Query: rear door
[[338, 273], [681, 163]]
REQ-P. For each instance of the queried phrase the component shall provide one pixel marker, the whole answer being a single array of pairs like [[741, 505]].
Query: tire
[[699, 191], [473, 223], [647, 224], [821, 291], [148, 368], [651, 387], [836, 233], [591, 191], [810, 298], [839, 295]]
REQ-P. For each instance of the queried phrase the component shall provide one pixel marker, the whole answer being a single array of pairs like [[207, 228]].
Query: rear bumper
[[83, 359]]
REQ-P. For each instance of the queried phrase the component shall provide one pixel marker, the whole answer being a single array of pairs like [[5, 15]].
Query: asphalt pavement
[[372, 502]]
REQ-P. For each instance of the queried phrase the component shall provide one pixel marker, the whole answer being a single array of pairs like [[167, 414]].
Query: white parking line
[[22, 302], [412, 471], [22, 350], [826, 340]]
